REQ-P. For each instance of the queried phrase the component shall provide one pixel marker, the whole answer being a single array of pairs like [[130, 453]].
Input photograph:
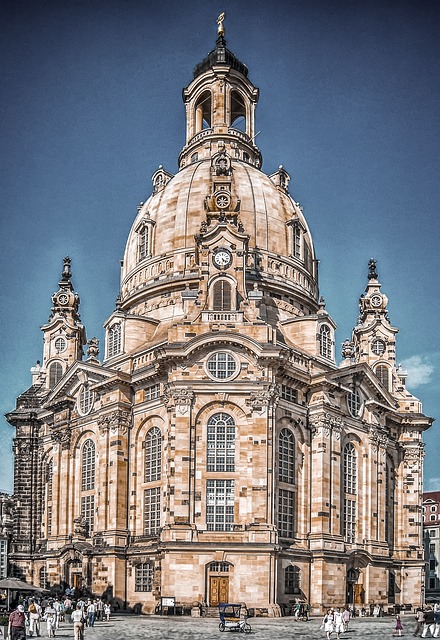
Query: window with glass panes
[[286, 456], [285, 513], [151, 511], [292, 579], [296, 241], [349, 520], [220, 448], [325, 343], [382, 373], [350, 488], [220, 505], [144, 242], [222, 365], [153, 455], [88, 512], [144, 577], [88, 466], [55, 374], [114, 340]]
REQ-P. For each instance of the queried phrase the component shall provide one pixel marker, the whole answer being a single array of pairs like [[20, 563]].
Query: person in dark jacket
[[428, 623]]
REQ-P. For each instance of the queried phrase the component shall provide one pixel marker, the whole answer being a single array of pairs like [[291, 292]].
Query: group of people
[[336, 621], [428, 621], [32, 613]]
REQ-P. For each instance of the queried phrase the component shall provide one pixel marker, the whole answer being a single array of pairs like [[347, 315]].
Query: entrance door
[[218, 590]]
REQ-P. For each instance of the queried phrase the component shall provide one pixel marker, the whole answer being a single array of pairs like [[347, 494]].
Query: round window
[[222, 365], [354, 401], [60, 344], [85, 400], [378, 347]]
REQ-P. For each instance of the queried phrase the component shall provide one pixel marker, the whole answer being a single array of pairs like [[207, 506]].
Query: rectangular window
[[349, 521], [285, 513], [151, 511], [432, 565], [88, 512], [220, 448], [432, 533], [289, 394], [432, 583], [152, 393], [3, 558], [144, 577], [49, 521], [432, 548], [220, 495], [296, 241]]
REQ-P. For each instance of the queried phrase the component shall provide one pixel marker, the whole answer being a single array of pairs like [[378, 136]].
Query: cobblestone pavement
[[186, 628]]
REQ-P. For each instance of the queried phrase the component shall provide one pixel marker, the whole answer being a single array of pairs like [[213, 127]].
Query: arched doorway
[[218, 582]]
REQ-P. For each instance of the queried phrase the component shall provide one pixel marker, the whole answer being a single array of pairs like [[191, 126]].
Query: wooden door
[[218, 590]]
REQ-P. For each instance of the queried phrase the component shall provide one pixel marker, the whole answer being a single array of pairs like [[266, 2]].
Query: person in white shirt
[[78, 623]]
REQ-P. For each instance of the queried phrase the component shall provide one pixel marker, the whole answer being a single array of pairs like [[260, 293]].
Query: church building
[[216, 450]]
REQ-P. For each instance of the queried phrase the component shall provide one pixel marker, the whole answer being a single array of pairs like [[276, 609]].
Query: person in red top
[[17, 623]]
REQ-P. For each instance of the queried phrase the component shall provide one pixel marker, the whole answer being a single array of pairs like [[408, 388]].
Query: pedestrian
[[17, 623], [78, 623], [34, 618], [328, 623], [436, 621], [346, 615], [99, 610], [339, 623], [107, 611], [91, 614], [399, 627], [428, 623], [420, 616], [50, 615]]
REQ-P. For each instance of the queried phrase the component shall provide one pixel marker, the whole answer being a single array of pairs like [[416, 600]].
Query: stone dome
[[175, 214]]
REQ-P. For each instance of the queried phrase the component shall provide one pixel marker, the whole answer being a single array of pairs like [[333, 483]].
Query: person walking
[[346, 615], [329, 623], [399, 627], [78, 623], [428, 623], [91, 610], [34, 611], [436, 621], [17, 623], [339, 623], [420, 616], [107, 611], [50, 615]]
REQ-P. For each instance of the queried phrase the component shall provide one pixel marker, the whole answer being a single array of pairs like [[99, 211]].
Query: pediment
[[361, 376], [81, 373]]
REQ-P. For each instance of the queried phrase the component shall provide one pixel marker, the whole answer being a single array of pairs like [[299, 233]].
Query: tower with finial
[[64, 334]]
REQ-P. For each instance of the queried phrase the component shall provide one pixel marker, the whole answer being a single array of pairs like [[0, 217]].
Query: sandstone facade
[[219, 452]]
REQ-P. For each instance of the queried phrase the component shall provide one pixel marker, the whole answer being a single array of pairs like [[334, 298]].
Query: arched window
[[153, 455], [220, 447], [88, 486], [144, 246], [296, 241], [292, 579], [49, 479], [382, 372], [286, 457], [222, 296], [238, 111], [389, 502], [144, 577], [114, 340], [88, 465], [203, 112], [350, 489], [325, 342], [55, 373]]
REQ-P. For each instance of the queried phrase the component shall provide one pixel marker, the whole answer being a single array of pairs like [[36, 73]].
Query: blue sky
[[91, 106]]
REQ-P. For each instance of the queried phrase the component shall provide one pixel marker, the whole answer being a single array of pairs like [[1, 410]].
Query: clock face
[[376, 301], [222, 258], [63, 298]]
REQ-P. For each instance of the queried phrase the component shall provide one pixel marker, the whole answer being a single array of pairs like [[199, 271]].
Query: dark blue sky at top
[[91, 106]]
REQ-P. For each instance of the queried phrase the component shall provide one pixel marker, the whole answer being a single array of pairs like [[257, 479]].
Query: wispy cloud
[[432, 484], [419, 370]]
